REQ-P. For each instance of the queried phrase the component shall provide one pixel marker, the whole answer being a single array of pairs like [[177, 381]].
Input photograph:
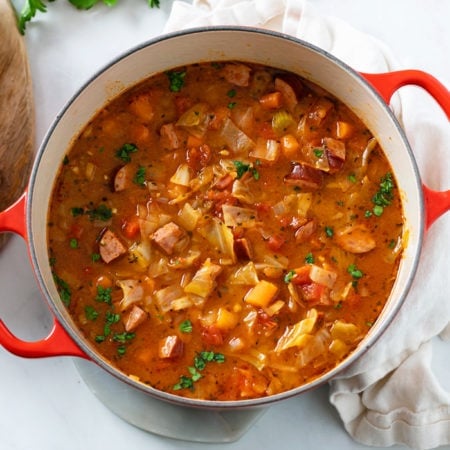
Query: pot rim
[[369, 340]]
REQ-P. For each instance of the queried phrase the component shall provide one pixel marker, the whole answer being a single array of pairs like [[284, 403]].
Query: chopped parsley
[[231, 93], [176, 80], [63, 289], [200, 362], [384, 196], [122, 338], [77, 211], [329, 231], [309, 258], [95, 257], [186, 326], [103, 295], [90, 312], [73, 243], [354, 271], [318, 152], [242, 168], [125, 151], [102, 212], [288, 277], [139, 176]]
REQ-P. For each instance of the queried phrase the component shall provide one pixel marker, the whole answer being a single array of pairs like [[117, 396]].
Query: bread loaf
[[16, 111]]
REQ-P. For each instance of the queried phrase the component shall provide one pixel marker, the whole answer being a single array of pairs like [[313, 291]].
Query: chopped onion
[[266, 149], [235, 216], [203, 282], [246, 275], [182, 176], [236, 140], [220, 237], [322, 276], [195, 120]]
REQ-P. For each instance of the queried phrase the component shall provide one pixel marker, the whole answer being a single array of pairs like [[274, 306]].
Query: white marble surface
[[45, 403]]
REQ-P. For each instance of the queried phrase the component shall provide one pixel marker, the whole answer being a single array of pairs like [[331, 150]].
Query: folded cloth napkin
[[390, 395]]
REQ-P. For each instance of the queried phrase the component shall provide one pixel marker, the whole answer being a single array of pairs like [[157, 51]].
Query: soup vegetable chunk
[[225, 231]]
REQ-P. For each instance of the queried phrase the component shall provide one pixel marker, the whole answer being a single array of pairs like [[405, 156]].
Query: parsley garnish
[[90, 312], [124, 152], [63, 289], [200, 361], [176, 80], [102, 212], [186, 326], [241, 168], [329, 231], [123, 337], [103, 295], [31, 7], [139, 176], [384, 195], [73, 243], [309, 258], [354, 271], [318, 152], [288, 277]]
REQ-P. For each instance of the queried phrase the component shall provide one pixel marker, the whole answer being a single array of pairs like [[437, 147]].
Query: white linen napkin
[[390, 395]]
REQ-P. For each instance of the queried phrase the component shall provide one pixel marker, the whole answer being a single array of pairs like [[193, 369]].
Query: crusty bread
[[16, 111]]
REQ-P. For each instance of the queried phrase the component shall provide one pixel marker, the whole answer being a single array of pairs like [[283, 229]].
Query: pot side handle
[[58, 342], [437, 202]]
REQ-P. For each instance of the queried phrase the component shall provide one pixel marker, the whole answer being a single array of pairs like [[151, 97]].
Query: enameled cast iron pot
[[367, 95]]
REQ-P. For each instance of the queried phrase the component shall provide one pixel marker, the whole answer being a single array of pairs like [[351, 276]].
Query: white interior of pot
[[215, 45]]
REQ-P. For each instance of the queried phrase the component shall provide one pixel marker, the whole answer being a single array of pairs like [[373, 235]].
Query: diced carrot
[[193, 141], [343, 129], [289, 146], [130, 227], [261, 294], [142, 107], [226, 320], [139, 133], [104, 281], [274, 100], [275, 242]]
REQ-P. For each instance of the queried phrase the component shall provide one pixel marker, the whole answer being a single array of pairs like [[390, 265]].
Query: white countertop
[[45, 403]]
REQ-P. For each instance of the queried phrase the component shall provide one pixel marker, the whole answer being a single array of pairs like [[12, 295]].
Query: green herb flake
[[121, 350], [384, 196], [90, 312], [352, 178], [73, 243], [123, 337], [186, 326], [63, 290], [95, 257], [289, 276], [354, 271], [176, 80], [309, 258], [77, 211], [329, 231], [103, 295], [124, 152], [231, 93], [318, 152], [184, 383], [102, 213], [231, 105], [139, 176]]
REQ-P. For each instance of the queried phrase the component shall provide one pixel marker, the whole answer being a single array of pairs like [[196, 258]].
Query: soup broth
[[225, 231]]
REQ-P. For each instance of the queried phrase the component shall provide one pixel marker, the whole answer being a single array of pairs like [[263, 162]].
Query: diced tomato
[[266, 131], [313, 292], [275, 242], [76, 231], [266, 321], [302, 275], [212, 335], [198, 157], [182, 104], [130, 227]]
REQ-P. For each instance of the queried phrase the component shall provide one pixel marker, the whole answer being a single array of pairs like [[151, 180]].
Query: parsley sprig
[[31, 7]]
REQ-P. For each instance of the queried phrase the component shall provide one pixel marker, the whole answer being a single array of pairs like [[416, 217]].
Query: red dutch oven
[[368, 95]]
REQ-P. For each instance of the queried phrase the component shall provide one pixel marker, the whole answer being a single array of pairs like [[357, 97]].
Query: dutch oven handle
[[436, 202], [58, 342]]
